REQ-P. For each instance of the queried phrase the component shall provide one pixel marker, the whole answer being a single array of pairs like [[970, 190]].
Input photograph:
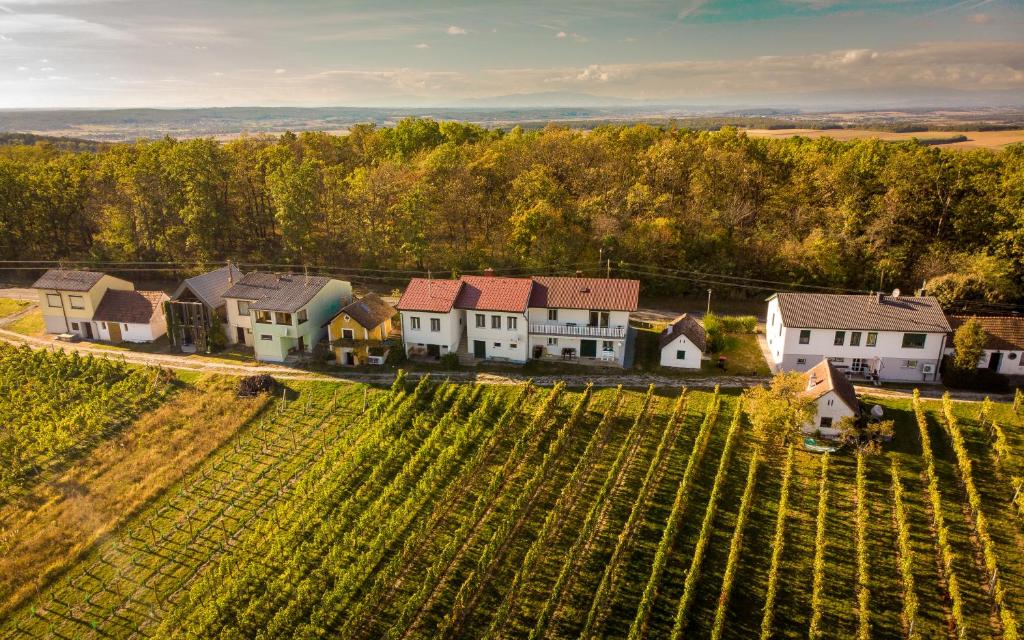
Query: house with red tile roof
[[431, 325], [1004, 342], [834, 398]]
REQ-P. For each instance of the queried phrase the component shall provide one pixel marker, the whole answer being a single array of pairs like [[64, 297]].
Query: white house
[[516, 319], [130, 316], [68, 299], [683, 343], [278, 314], [431, 325], [1004, 343], [895, 337], [834, 396]]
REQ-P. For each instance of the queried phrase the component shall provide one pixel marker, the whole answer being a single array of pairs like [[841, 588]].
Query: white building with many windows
[[884, 337]]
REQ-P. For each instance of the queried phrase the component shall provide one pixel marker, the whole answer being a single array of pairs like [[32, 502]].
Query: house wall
[[376, 335], [134, 332], [681, 343], [504, 336], [54, 317], [448, 337], [829, 406], [579, 317], [790, 355], [283, 337], [1011, 363], [234, 320]]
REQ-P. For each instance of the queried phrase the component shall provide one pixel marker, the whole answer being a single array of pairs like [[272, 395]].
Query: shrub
[[715, 330], [739, 324], [450, 360], [974, 380]]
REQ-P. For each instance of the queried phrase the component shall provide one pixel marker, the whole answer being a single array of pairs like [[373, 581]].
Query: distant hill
[[60, 142]]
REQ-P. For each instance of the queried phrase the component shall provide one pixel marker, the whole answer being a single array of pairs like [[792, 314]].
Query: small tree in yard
[[969, 344], [865, 435], [780, 409]]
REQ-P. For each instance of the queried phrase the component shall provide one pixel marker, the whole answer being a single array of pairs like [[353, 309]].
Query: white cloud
[[280, 71], [422, 45], [22, 68], [55, 24], [456, 31]]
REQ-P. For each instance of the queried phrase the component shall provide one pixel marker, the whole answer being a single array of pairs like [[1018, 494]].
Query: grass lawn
[[9, 306], [30, 324]]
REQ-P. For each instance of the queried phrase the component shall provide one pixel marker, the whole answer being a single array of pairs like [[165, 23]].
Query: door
[[115, 331], [479, 349], [240, 335], [434, 350], [87, 328], [302, 344], [350, 358], [588, 348], [994, 360]]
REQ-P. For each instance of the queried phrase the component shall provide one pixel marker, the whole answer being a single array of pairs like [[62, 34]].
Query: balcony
[[577, 331]]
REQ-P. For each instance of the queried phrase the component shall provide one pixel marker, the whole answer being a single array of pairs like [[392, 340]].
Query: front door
[[87, 328], [350, 358], [479, 349], [434, 350], [302, 344], [240, 335], [115, 332], [994, 360], [588, 348]]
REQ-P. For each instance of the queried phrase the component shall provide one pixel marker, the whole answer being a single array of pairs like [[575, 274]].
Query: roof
[[132, 307], [68, 280], [605, 294], [491, 293], [871, 312], [285, 292], [684, 325], [824, 377], [210, 287], [436, 296], [1002, 333], [369, 311]]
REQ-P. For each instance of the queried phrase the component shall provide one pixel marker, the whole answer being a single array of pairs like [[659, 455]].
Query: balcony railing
[[577, 330]]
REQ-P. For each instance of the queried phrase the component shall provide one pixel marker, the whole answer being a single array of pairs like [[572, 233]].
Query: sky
[[194, 53]]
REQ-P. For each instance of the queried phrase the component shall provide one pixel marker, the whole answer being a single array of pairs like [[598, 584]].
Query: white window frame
[[49, 300], [81, 302], [414, 322], [435, 325]]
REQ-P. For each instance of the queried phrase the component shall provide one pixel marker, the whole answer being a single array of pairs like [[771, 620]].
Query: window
[[607, 345], [497, 345], [263, 317], [266, 336], [910, 364], [510, 323], [104, 325], [553, 315], [801, 360], [348, 334], [302, 316], [914, 340], [872, 338], [830, 401], [771, 321], [283, 318], [77, 302], [805, 336], [495, 322], [53, 299], [825, 423], [840, 338], [780, 330], [680, 355], [513, 345], [435, 324], [855, 339], [481, 321], [243, 307], [74, 325], [125, 326], [837, 360], [552, 342]]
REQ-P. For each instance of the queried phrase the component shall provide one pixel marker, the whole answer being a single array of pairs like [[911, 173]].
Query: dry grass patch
[[48, 528]]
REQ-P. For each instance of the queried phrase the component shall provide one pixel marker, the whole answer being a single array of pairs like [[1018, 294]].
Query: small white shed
[[683, 343], [834, 395]]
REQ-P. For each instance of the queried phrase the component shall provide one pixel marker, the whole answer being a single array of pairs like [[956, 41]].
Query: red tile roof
[[132, 307], [824, 377], [1002, 333], [436, 296], [598, 294], [490, 293]]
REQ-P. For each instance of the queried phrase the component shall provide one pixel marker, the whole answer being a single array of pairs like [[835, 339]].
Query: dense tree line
[[449, 196]]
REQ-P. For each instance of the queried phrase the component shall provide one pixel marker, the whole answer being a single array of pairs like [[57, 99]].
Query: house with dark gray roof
[[131, 316], [69, 298], [683, 343], [197, 310], [876, 336], [282, 314]]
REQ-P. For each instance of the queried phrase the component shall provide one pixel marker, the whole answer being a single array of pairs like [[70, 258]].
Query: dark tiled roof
[[827, 378], [435, 296], [285, 292], [369, 311], [833, 311], [133, 307], [685, 325], [1002, 333], [599, 294], [490, 293], [210, 287], [67, 280]]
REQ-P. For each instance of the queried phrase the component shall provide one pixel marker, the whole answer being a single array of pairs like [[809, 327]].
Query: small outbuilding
[[130, 316], [835, 397], [683, 343]]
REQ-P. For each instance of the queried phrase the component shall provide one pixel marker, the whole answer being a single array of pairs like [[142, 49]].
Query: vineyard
[[432, 509]]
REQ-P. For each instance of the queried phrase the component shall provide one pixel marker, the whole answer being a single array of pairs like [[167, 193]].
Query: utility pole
[[709, 301], [609, 267]]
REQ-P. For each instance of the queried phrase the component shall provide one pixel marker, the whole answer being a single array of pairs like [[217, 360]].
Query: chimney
[[579, 274], [877, 297], [489, 272], [305, 272]]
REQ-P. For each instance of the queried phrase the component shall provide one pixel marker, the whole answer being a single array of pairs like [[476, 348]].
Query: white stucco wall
[[448, 337], [1010, 364], [829, 406], [234, 320], [504, 336], [669, 356]]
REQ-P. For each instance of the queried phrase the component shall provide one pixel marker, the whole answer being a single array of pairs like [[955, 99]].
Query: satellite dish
[[876, 412], [895, 293]]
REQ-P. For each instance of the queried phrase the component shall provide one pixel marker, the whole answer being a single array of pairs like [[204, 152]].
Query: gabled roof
[[132, 307], [68, 280], [369, 311], [1002, 333], [684, 325], [491, 293], [598, 294], [868, 312], [824, 377], [434, 296], [210, 287], [284, 292]]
